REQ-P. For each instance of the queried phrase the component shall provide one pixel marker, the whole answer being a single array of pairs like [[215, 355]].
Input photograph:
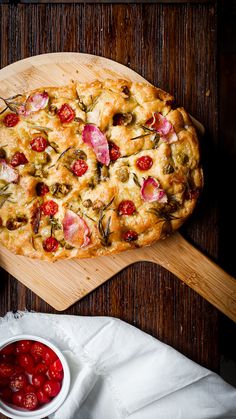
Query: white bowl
[[49, 408]]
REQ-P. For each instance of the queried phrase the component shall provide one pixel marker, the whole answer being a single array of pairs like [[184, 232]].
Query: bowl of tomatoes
[[34, 377]]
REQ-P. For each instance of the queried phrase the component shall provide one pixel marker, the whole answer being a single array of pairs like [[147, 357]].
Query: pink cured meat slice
[[37, 101], [152, 192], [160, 124], [76, 232], [97, 140], [7, 172]]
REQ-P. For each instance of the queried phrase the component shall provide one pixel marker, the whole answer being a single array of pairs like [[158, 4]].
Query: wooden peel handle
[[197, 271]]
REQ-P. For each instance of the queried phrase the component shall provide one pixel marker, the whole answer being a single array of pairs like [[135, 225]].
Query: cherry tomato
[[41, 189], [126, 208], [26, 361], [11, 119], [40, 368], [6, 394], [55, 375], [57, 365], [37, 350], [18, 159], [144, 163], [42, 398], [23, 346], [39, 143], [80, 167], [17, 398], [8, 350], [30, 389], [30, 401], [49, 208], [38, 380], [50, 244], [49, 356], [66, 113], [17, 382], [6, 370], [114, 151], [51, 388], [130, 236]]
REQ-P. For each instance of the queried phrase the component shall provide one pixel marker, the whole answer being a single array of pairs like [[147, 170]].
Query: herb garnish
[[11, 104], [105, 232], [136, 181]]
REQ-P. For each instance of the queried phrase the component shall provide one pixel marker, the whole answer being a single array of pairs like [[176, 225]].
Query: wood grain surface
[[175, 47]]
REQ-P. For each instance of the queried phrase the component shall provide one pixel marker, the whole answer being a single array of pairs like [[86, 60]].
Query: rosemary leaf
[[64, 152], [136, 181]]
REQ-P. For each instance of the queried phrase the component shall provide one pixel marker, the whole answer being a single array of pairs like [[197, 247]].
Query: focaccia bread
[[96, 168]]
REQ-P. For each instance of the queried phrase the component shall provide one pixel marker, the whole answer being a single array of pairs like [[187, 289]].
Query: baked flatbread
[[96, 168]]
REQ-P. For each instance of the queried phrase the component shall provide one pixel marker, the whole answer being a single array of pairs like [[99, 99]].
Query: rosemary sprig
[[4, 198], [141, 136], [64, 152], [81, 104], [136, 181], [93, 104], [164, 216], [10, 104], [104, 231], [39, 127]]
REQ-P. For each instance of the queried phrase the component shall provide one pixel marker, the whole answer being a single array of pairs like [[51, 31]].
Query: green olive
[[60, 189], [41, 158], [123, 174]]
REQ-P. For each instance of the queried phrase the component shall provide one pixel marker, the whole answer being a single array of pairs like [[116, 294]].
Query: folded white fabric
[[120, 372]]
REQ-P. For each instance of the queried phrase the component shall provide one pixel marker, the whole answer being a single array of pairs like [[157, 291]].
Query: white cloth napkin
[[120, 372]]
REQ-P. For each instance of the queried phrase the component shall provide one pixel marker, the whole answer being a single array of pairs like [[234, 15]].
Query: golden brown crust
[[95, 196]]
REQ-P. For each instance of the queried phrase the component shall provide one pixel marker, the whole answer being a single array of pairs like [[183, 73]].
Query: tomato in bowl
[[34, 377]]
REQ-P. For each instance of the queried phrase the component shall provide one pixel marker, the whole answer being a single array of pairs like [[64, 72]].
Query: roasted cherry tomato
[[6, 370], [30, 401], [18, 382], [51, 388], [18, 397], [37, 350], [39, 143], [66, 113], [126, 208], [26, 361], [49, 356], [40, 368], [41, 189], [23, 346], [114, 151], [18, 159], [8, 350], [30, 389], [80, 167], [38, 380], [42, 398], [50, 244], [11, 119], [49, 208], [144, 163], [130, 236]]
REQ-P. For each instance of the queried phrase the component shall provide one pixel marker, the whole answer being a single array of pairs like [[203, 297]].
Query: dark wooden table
[[176, 47]]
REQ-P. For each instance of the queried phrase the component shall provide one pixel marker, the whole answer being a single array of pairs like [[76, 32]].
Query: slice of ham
[[92, 136], [76, 232], [7, 172], [36, 102], [151, 191], [161, 125]]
